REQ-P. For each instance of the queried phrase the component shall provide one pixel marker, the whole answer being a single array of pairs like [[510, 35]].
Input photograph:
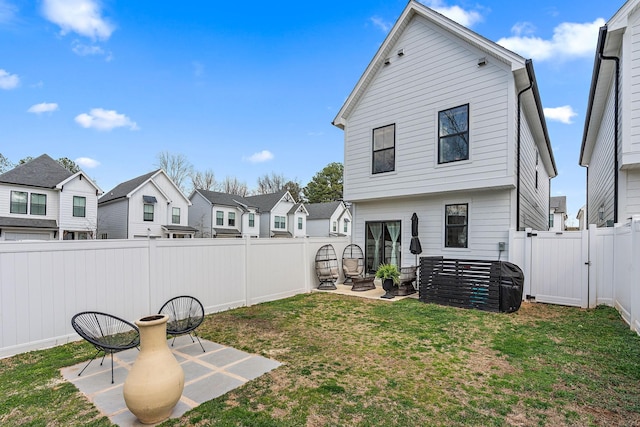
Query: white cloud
[[43, 107], [381, 24], [468, 18], [262, 156], [84, 50], [7, 12], [569, 40], [79, 16], [86, 162], [562, 114], [101, 119], [8, 81]]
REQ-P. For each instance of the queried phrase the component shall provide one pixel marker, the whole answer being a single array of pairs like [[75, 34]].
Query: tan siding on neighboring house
[[410, 92]]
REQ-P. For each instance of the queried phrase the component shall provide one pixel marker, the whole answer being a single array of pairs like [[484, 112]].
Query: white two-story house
[[328, 219], [216, 214], [41, 200], [558, 213], [280, 215], [149, 206], [611, 140], [449, 125]]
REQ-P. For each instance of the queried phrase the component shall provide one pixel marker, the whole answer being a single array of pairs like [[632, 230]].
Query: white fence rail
[[583, 268], [43, 284]]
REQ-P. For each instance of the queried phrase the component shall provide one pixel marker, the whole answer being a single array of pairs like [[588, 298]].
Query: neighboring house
[[328, 219], [558, 213], [150, 205], [611, 139], [216, 214], [41, 200], [581, 217], [449, 125], [280, 215]]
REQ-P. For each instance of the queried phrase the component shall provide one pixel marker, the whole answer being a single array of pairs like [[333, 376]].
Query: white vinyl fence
[[43, 284], [583, 268]]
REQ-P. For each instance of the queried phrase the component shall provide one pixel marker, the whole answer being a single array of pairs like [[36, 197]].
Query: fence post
[[634, 272], [526, 263], [592, 272], [152, 275], [247, 256]]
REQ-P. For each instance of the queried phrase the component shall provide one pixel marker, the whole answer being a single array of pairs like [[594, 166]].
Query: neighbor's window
[[346, 226], [335, 226], [18, 202], [38, 204], [252, 220], [148, 212], [456, 231], [382, 244], [79, 206], [453, 130], [175, 215], [219, 218], [384, 149], [232, 219], [280, 222], [299, 223], [550, 220]]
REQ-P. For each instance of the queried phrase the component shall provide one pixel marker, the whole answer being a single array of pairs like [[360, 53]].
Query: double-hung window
[[148, 212], [456, 229], [384, 149], [252, 220], [453, 134], [279, 222], [175, 215], [232, 219], [18, 202], [299, 223], [38, 204], [219, 218], [79, 206]]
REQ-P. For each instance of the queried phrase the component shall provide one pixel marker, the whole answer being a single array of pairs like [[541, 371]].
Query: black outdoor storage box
[[485, 285]]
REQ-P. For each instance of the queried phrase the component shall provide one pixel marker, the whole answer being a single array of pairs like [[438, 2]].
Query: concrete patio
[[207, 375]]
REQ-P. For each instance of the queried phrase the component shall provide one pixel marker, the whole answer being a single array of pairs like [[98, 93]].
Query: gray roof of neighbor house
[[266, 202], [43, 172], [559, 203], [121, 190], [321, 210], [50, 224], [226, 199]]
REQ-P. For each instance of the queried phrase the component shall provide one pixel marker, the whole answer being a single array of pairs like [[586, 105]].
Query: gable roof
[[225, 199], [559, 203], [266, 202], [521, 68], [121, 190], [322, 210], [43, 172]]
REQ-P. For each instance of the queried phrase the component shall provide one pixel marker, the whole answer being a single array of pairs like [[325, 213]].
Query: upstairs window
[[18, 202], [175, 215], [252, 220], [384, 149], [280, 222], [38, 204], [453, 132], [346, 226], [148, 212], [219, 218], [232, 219], [79, 206], [550, 220], [299, 223], [456, 230]]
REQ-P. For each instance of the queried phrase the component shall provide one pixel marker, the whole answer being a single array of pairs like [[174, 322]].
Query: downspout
[[616, 130], [519, 138]]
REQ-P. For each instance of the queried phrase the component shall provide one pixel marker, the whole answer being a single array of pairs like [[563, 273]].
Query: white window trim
[[443, 233]]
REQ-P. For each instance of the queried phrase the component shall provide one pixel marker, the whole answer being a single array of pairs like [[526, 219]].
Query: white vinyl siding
[[437, 61], [534, 202], [601, 168], [80, 188], [488, 222], [631, 112], [5, 201], [633, 194]]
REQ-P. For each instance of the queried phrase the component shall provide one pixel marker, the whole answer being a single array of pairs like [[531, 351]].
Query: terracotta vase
[[156, 380]]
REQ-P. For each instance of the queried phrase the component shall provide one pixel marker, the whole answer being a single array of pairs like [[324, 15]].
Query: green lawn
[[348, 361]]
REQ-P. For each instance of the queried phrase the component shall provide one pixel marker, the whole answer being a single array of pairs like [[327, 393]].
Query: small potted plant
[[390, 276]]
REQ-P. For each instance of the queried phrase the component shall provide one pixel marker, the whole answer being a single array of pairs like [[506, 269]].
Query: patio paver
[[207, 375]]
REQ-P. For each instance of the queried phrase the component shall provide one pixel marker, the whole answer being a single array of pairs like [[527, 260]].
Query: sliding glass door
[[383, 245]]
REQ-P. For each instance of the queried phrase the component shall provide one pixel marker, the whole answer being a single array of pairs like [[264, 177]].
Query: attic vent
[[400, 52], [387, 61], [149, 199], [482, 61]]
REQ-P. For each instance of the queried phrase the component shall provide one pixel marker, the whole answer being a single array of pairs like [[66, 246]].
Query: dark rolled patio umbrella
[[415, 246]]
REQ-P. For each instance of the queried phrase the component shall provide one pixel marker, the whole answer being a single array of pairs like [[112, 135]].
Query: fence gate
[[558, 267]]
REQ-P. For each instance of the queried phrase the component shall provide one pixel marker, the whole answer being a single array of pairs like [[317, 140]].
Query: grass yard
[[355, 362]]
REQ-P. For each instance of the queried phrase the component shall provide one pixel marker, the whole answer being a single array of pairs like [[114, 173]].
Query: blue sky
[[247, 88]]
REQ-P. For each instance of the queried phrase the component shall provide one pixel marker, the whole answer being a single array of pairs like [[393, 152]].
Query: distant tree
[[326, 185], [231, 185], [203, 180], [5, 164], [177, 167], [270, 183], [65, 162], [295, 189], [25, 160]]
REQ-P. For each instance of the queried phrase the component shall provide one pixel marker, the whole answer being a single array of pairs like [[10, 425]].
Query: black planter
[[388, 286]]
